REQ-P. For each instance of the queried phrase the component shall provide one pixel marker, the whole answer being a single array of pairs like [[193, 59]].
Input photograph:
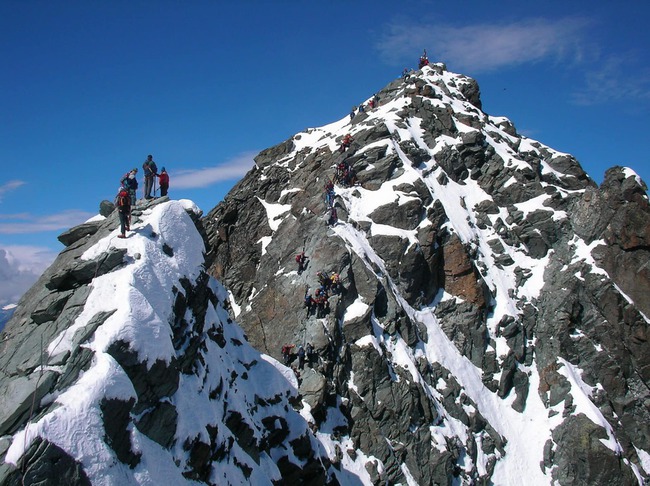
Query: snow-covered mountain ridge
[[490, 327], [147, 379]]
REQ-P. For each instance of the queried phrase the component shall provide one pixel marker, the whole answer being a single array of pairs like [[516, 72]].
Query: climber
[[309, 352], [329, 199], [334, 219], [405, 74], [323, 279], [349, 178], [329, 194], [329, 185], [123, 204], [287, 356], [345, 143], [309, 302], [163, 179], [341, 170], [335, 284], [322, 305], [150, 170], [131, 184], [301, 259], [424, 60], [301, 358]]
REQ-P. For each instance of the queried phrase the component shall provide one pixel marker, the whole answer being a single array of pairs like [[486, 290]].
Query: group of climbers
[[319, 302], [372, 103], [330, 284], [344, 174], [304, 354], [423, 61], [150, 172], [126, 194]]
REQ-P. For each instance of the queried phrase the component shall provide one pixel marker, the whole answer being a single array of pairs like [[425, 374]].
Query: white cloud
[[232, 170], [9, 186], [20, 267], [22, 223], [611, 81], [485, 47]]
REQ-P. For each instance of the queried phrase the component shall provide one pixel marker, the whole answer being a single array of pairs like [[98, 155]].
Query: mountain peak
[[472, 308]]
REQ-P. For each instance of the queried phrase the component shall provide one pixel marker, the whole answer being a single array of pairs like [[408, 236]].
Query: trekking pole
[[154, 186]]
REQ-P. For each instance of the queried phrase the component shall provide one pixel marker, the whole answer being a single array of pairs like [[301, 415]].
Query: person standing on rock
[[333, 217], [424, 60], [309, 353], [309, 301], [301, 358], [286, 353], [163, 179], [150, 171], [301, 259], [123, 204]]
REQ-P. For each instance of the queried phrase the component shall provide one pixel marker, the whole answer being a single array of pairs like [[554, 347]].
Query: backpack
[[123, 199]]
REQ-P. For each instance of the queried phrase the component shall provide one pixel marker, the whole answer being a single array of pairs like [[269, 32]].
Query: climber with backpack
[[123, 204], [301, 259], [150, 171], [345, 143], [335, 285], [286, 353], [131, 184]]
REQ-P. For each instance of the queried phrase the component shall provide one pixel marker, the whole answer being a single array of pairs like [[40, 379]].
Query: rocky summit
[[471, 308]]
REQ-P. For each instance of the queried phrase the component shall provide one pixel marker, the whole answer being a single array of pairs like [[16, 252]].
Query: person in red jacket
[[163, 178]]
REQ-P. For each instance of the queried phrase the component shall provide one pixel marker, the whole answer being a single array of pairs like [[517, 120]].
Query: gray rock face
[[454, 215]]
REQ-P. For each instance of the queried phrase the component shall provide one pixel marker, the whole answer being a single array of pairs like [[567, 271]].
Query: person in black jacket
[[131, 184], [150, 171]]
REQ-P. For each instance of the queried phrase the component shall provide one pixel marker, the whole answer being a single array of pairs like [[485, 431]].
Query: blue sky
[[90, 88]]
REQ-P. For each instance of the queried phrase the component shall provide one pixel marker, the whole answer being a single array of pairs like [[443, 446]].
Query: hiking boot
[[121, 236]]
